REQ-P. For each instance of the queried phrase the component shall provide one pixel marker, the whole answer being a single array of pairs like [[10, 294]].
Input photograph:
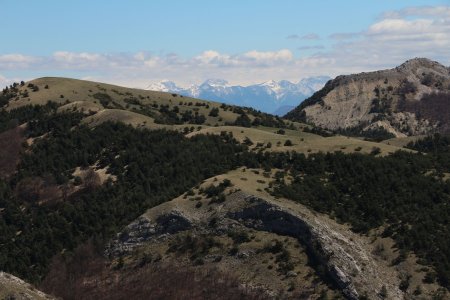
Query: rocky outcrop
[[396, 100], [346, 259], [144, 230]]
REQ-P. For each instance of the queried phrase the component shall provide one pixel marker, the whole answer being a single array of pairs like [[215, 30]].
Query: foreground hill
[[236, 230], [411, 99]]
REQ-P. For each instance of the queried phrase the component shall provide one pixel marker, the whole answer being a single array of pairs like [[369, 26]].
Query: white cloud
[[249, 59], [214, 58], [430, 11], [70, 57], [400, 26], [391, 39], [16, 60], [268, 58]]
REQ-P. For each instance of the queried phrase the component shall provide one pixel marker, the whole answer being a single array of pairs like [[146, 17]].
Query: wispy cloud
[[309, 36], [391, 39], [314, 47], [344, 35], [293, 37]]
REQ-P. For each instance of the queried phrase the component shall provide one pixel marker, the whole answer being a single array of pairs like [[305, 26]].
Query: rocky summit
[[411, 99]]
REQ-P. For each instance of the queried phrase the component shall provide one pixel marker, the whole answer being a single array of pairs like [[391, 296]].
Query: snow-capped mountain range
[[277, 97]]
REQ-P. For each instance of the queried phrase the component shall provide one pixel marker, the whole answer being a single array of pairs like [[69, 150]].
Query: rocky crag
[[346, 257], [411, 99]]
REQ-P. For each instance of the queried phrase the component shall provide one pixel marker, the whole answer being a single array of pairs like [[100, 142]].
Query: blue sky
[[135, 42]]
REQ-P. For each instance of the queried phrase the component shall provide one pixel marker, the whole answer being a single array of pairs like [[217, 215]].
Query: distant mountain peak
[[215, 82], [270, 83], [163, 86], [268, 96]]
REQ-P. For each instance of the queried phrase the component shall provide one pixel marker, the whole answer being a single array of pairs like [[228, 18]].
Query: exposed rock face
[[143, 230], [347, 262], [397, 100], [343, 255]]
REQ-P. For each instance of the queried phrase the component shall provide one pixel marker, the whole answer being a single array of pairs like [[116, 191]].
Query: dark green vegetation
[[168, 116], [318, 131], [45, 209], [374, 134], [11, 119], [403, 192], [150, 166], [436, 144]]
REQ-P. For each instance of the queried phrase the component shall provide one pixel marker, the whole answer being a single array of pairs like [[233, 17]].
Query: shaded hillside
[[411, 99], [87, 274], [10, 146], [145, 168]]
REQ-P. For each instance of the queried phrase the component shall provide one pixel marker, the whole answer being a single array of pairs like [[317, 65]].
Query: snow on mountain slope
[[268, 96], [163, 86]]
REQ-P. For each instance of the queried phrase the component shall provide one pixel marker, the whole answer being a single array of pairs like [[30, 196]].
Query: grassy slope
[[79, 95], [402, 141], [302, 141]]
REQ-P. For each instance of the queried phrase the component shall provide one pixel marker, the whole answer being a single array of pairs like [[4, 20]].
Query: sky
[[134, 43]]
